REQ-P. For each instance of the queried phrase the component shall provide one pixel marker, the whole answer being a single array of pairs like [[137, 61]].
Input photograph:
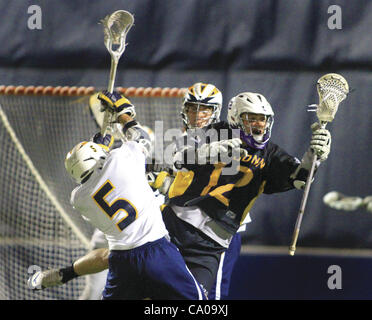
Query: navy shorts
[[220, 290], [201, 253], [155, 270]]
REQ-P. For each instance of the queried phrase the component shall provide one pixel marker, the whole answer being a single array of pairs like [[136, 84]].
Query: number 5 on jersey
[[113, 209]]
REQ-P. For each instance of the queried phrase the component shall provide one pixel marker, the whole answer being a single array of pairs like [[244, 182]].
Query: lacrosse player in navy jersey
[[201, 107], [207, 204], [114, 196]]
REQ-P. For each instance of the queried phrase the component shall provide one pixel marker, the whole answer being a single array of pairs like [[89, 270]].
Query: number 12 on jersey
[[118, 205]]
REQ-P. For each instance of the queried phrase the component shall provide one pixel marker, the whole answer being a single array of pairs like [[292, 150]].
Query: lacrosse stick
[[332, 90], [115, 28], [337, 200]]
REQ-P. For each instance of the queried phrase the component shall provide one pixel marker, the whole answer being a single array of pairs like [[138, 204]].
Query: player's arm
[[320, 144], [190, 153], [286, 172], [93, 262]]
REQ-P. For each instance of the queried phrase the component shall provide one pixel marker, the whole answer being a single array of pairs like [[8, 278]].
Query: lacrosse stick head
[[115, 28], [332, 90]]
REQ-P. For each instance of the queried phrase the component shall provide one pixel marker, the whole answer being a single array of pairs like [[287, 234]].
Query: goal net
[[38, 227]]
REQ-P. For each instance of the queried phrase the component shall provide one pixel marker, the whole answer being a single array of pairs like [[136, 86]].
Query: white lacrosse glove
[[320, 141], [225, 149], [45, 279]]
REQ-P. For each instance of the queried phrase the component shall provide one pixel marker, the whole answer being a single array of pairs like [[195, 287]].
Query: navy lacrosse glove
[[116, 103]]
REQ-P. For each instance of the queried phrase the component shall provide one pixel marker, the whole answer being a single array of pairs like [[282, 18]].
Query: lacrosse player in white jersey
[[95, 282], [114, 196]]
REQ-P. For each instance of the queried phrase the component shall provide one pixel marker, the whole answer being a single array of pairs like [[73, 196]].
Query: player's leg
[[167, 274], [201, 254], [220, 289], [154, 270], [124, 281]]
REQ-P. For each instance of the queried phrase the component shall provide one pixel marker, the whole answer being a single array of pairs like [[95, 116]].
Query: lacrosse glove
[[320, 142], [224, 149], [116, 103], [160, 181], [106, 142]]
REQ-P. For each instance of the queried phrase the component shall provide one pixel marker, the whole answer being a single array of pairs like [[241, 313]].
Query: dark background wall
[[276, 47]]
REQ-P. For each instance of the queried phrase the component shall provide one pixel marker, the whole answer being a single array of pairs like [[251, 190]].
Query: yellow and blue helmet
[[202, 94]]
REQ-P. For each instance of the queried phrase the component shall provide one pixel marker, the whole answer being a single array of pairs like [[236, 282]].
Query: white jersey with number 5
[[118, 200]]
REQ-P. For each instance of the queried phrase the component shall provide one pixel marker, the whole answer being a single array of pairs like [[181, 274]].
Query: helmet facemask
[[256, 125], [199, 115], [253, 115], [201, 105]]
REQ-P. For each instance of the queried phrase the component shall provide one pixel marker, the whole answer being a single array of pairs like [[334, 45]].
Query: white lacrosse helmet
[[202, 94], [83, 159], [249, 102]]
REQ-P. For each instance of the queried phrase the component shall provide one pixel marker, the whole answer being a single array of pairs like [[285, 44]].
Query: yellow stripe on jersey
[[247, 177], [213, 180], [217, 193], [251, 203], [181, 183]]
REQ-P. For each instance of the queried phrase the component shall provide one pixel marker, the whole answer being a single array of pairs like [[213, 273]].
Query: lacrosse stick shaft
[[110, 88], [305, 195]]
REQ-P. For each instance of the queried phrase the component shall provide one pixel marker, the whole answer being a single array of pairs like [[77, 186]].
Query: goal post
[[38, 226]]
